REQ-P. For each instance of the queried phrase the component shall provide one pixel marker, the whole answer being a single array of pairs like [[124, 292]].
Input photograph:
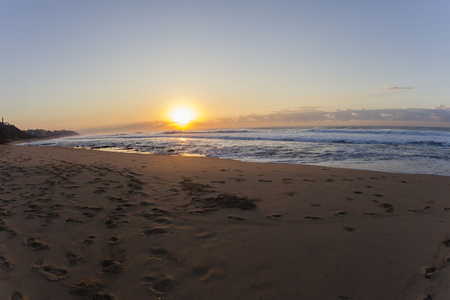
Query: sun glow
[[182, 116]]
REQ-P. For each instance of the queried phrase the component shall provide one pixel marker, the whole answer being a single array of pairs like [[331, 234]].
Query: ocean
[[409, 150]]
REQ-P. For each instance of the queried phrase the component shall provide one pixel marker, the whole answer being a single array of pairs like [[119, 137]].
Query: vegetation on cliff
[[9, 133]]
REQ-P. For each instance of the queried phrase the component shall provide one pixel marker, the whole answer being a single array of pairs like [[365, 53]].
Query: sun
[[182, 116]]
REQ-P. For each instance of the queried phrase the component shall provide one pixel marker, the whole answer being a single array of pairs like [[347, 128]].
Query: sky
[[122, 66]]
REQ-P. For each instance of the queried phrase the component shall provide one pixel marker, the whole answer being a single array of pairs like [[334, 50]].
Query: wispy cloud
[[395, 88], [437, 114]]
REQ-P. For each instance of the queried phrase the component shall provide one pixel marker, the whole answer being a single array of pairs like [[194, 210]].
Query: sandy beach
[[85, 224]]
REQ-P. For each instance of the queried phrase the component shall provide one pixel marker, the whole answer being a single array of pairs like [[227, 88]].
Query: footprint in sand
[[110, 223], [2, 225], [159, 253], [72, 258], [206, 235], [236, 218], [161, 285], [370, 214], [446, 242], [312, 218], [111, 266], [17, 296], [201, 269], [388, 207], [53, 215], [162, 221], [210, 270], [154, 230], [5, 264], [89, 240], [103, 296], [35, 244], [309, 180], [114, 240], [274, 216], [428, 272], [73, 220], [87, 287], [53, 273]]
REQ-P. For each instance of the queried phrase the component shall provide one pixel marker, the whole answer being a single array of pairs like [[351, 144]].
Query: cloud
[[395, 88], [438, 114], [442, 106]]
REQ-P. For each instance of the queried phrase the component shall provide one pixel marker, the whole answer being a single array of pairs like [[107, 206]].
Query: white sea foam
[[400, 150]]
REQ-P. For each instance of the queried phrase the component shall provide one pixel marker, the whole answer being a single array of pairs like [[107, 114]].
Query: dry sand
[[83, 224]]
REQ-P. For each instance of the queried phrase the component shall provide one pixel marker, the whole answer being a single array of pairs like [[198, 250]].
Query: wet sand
[[84, 224]]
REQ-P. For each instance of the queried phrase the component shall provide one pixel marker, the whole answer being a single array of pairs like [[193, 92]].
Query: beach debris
[[226, 200], [194, 188]]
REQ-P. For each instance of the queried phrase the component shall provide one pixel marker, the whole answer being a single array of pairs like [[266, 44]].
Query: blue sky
[[99, 64]]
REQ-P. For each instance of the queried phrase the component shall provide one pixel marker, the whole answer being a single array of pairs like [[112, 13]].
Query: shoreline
[[79, 223], [124, 151]]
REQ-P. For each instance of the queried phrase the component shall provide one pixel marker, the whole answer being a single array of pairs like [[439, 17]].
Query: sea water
[[397, 149]]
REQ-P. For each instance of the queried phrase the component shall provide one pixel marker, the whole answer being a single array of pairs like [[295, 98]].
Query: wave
[[114, 140], [359, 131], [313, 139]]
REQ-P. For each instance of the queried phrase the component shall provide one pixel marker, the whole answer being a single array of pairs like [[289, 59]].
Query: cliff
[[9, 133]]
